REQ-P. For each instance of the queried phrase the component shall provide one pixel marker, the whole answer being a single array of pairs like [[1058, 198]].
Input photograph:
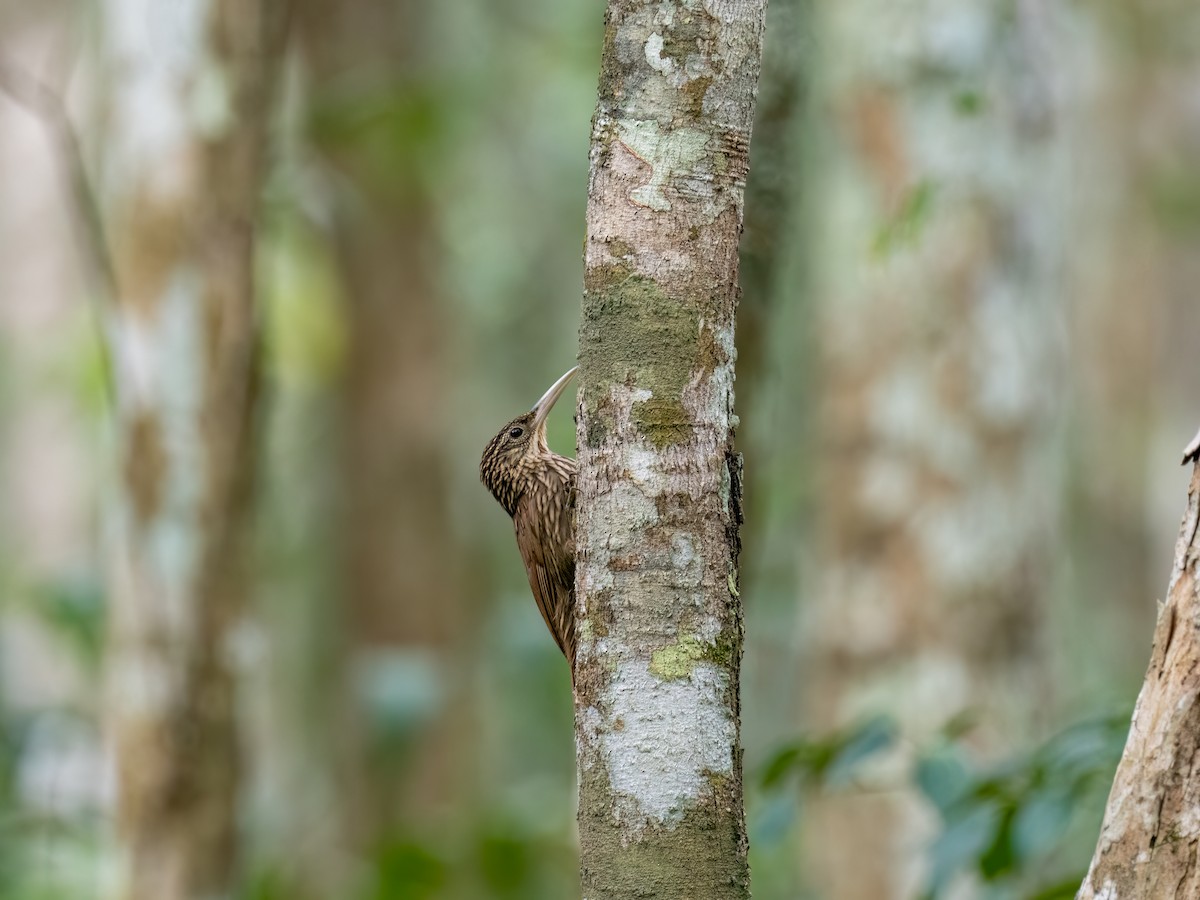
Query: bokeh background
[[968, 355]]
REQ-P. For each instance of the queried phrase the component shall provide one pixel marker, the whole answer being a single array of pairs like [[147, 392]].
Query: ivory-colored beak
[[542, 408]]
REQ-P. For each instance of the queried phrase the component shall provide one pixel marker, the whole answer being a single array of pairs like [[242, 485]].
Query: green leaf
[[1000, 858], [506, 861], [1042, 821], [858, 746], [969, 102], [962, 844], [772, 820], [408, 871], [75, 609], [944, 778], [781, 765], [833, 760], [905, 227], [1062, 890]]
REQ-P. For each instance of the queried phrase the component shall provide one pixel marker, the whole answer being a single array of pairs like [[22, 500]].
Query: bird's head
[[507, 457]]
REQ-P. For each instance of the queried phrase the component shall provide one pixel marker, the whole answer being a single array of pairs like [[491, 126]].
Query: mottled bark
[[184, 160], [659, 618], [936, 261], [397, 540], [1148, 841]]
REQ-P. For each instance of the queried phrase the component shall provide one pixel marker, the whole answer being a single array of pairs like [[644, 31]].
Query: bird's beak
[[542, 408]]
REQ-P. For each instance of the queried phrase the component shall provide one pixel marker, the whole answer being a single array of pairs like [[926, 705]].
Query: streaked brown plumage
[[536, 487]]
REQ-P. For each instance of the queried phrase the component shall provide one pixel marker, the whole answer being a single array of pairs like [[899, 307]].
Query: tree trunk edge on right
[[1148, 842]]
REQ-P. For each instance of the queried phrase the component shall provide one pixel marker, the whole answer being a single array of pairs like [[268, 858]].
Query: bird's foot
[[1191, 453]]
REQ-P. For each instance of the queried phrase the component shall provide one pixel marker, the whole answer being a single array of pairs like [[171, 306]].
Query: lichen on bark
[[659, 620]]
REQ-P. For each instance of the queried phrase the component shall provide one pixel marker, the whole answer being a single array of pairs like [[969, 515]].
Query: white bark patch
[[607, 531], [669, 153], [159, 367], [708, 397], [212, 102], [1187, 825], [654, 47], [661, 734], [977, 539], [143, 685], [158, 50], [640, 462], [683, 552], [662, 740], [889, 488], [646, 28], [905, 414]]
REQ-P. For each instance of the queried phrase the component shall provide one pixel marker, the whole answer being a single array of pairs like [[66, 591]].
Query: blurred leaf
[[1062, 890], [772, 819], [959, 725], [74, 608], [782, 764], [943, 777], [385, 135], [905, 227], [268, 885], [969, 102], [1000, 858], [962, 845], [1088, 748], [305, 334], [506, 862], [91, 373], [832, 760], [1028, 802], [1174, 195], [871, 738], [408, 871], [401, 690], [1041, 822]]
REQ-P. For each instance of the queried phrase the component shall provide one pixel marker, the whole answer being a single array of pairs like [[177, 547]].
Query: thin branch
[[45, 104]]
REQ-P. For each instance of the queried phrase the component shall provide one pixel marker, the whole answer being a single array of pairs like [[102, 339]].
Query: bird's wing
[[546, 540]]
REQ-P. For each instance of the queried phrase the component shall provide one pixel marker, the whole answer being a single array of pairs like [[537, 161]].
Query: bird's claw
[[1191, 453]]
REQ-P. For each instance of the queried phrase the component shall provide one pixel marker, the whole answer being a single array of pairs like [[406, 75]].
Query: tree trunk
[[189, 104], [659, 619], [937, 271], [398, 546], [1147, 847]]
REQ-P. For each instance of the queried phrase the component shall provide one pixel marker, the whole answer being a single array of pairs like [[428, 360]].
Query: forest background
[[967, 363]]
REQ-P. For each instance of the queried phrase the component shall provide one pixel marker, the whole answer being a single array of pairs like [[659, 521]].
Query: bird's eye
[[516, 432]]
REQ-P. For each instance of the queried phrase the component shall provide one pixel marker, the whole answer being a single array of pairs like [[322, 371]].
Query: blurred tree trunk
[[937, 273], [190, 99], [1135, 237], [1147, 846], [774, 372], [660, 626], [376, 125]]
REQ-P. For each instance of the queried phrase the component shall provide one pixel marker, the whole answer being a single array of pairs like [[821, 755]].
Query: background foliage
[[472, 144]]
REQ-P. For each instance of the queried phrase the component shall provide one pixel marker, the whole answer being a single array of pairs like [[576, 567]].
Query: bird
[[536, 487]]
